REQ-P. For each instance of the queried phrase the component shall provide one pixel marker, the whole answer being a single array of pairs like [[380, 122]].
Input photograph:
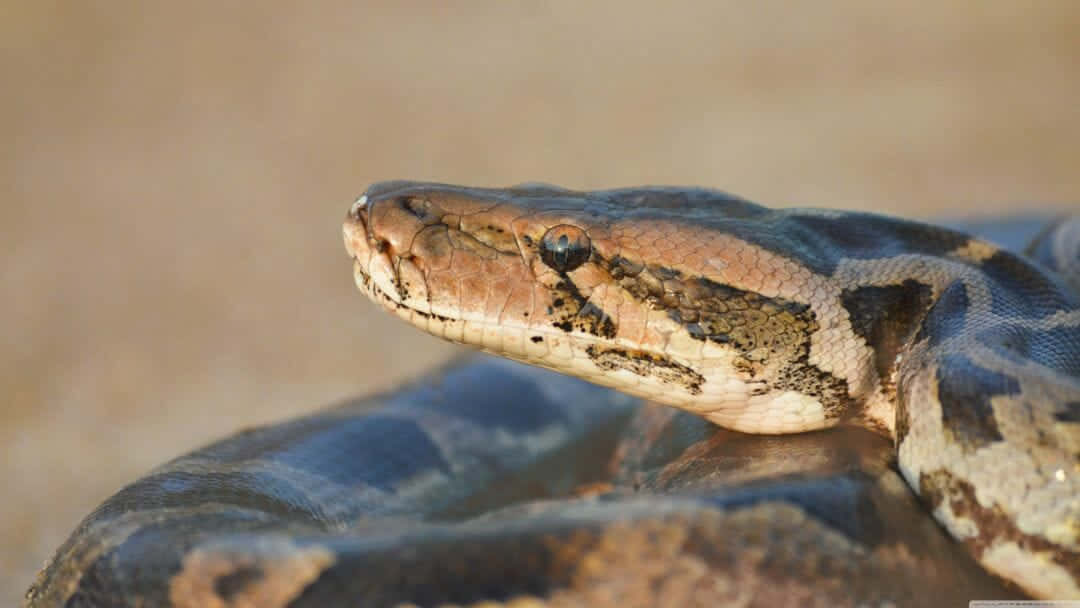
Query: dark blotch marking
[[802, 376], [822, 241], [965, 390], [664, 273], [1019, 287], [770, 335], [1057, 348], [885, 317], [720, 204], [903, 416], [697, 333], [442, 569], [235, 582], [597, 321], [946, 318], [620, 267], [575, 312], [1070, 414], [940, 487], [537, 339], [842, 502], [377, 453], [647, 365], [259, 441]]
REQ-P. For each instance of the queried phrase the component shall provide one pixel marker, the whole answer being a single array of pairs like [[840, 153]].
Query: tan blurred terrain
[[174, 175]]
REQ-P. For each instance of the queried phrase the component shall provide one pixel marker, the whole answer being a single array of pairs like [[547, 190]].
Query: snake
[[811, 407]]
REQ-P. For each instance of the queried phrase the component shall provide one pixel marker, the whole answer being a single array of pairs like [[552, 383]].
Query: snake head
[[497, 268], [643, 289]]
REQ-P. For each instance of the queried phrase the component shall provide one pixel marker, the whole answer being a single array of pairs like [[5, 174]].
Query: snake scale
[[940, 373]]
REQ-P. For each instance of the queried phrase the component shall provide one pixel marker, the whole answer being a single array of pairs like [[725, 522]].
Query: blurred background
[[175, 175]]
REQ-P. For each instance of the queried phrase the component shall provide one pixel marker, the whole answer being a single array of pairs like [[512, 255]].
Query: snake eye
[[565, 247]]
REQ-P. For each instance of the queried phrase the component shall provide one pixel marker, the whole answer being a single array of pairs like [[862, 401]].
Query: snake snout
[[354, 230], [362, 239]]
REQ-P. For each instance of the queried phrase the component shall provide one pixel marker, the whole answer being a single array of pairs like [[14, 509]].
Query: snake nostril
[[417, 207]]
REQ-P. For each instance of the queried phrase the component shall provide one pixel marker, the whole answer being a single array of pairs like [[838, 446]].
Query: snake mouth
[[389, 299], [402, 292], [363, 279]]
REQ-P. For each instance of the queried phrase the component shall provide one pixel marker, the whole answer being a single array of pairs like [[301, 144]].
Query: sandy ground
[[174, 174]]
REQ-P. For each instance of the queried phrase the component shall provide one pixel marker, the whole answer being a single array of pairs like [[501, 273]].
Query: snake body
[[928, 356]]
